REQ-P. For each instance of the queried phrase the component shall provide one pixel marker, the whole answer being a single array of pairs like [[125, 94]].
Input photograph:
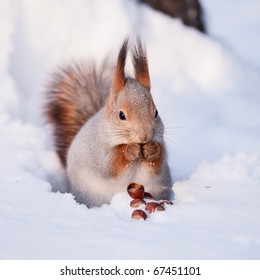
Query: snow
[[206, 88]]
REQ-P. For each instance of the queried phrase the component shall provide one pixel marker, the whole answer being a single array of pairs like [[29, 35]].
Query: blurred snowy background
[[207, 90]]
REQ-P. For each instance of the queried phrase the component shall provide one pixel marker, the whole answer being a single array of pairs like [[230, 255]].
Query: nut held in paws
[[139, 214], [135, 190], [154, 206]]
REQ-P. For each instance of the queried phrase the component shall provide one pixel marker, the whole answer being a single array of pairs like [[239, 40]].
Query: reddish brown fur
[[140, 65], [156, 164], [74, 95], [120, 162], [119, 76]]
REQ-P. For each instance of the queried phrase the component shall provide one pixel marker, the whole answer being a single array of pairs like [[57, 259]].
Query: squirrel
[[106, 128]]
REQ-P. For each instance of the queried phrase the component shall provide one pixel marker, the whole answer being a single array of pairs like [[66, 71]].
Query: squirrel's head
[[130, 104]]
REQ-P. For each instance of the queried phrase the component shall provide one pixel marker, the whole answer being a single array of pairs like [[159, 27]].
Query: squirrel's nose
[[146, 136], [142, 138]]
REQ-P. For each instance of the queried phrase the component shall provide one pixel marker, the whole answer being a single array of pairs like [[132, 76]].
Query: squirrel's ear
[[119, 76], [139, 60]]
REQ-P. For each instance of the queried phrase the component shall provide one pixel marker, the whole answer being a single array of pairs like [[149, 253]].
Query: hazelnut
[[166, 202], [154, 206], [139, 214], [135, 190], [147, 195], [137, 202]]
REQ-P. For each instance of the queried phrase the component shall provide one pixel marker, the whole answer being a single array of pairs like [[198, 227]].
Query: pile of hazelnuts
[[142, 198]]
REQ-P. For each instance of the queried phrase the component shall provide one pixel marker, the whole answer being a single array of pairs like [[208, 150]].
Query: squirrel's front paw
[[133, 152], [151, 151]]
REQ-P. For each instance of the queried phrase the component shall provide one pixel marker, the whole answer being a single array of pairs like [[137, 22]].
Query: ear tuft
[[119, 76], [140, 63]]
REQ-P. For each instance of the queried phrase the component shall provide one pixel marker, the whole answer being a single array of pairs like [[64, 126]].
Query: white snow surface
[[206, 88]]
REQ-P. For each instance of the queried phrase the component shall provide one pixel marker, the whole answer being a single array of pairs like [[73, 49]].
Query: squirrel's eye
[[156, 114], [122, 116]]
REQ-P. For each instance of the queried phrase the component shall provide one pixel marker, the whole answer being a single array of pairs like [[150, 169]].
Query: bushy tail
[[74, 94]]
